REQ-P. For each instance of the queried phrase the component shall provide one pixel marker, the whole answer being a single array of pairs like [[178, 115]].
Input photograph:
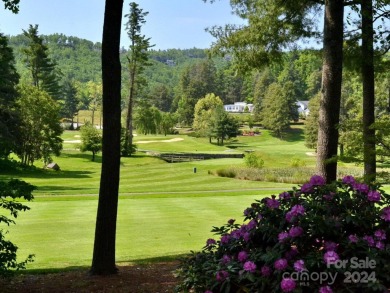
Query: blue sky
[[170, 23]]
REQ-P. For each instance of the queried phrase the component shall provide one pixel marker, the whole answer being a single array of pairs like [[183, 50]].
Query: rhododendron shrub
[[316, 238]]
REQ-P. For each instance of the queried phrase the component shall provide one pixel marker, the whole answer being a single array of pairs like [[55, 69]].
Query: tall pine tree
[[44, 74]]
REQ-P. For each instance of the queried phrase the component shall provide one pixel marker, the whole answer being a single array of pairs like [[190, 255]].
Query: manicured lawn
[[60, 233], [164, 209]]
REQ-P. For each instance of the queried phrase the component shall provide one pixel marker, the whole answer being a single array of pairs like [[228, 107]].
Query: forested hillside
[[175, 80]]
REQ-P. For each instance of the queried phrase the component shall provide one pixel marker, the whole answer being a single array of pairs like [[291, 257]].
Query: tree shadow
[[84, 156], [294, 135], [50, 188]]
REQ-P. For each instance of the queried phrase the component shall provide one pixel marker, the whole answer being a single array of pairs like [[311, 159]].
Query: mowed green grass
[[60, 233], [164, 209]]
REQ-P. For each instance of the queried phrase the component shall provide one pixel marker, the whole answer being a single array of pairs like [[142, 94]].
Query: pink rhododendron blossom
[[361, 187], [317, 180], [370, 240], [210, 242], [349, 180], [272, 203], [221, 276], [250, 266], [208, 291], [307, 187], [374, 196], [282, 236], [328, 196], [252, 224], [284, 195], [299, 265], [380, 245], [226, 259], [247, 212], [289, 217], [380, 234], [298, 210], [353, 238], [386, 214], [287, 285], [291, 253], [325, 289], [330, 257], [225, 239], [231, 221], [242, 256], [330, 246], [295, 232], [280, 264], [265, 271], [246, 237]]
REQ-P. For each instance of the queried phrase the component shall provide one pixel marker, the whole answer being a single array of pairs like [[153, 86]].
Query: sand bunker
[[167, 140]]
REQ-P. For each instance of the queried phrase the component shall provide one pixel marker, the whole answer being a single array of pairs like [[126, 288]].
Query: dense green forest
[[175, 80]]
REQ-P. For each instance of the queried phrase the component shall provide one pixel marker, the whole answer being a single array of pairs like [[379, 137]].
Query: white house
[[238, 107], [303, 108]]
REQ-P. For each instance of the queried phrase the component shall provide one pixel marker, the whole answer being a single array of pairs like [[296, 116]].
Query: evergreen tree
[[71, 103], [311, 123], [222, 126], [196, 81], [137, 61], [275, 111], [9, 118], [44, 74]]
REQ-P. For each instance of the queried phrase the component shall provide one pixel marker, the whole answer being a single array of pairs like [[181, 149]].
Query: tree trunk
[[103, 261], [329, 114], [129, 117], [368, 90]]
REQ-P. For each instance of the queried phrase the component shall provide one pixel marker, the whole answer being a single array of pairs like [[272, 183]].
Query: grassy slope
[[165, 209]]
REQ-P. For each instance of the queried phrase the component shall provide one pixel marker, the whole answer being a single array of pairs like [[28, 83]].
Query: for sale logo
[[355, 271]]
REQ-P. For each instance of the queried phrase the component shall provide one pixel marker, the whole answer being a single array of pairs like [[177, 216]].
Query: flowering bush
[[317, 238]]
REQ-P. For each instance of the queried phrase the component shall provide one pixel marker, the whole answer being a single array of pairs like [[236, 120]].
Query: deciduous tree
[[91, 140], [40, 129]]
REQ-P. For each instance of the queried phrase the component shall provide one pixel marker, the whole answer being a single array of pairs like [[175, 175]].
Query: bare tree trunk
[[368, 90], [129, 117], [103, 261], [329, 114]]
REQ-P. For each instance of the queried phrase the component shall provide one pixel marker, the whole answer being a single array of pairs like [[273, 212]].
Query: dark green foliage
[[12, 5], [9, 118], [138, 60], [91, 140], [10, 192], [311, 123], [253, 160], [71, 103], [223, 126], [293, 237], [43, 71], [196, 82], [126, 151], [40, 129], [275, 114]]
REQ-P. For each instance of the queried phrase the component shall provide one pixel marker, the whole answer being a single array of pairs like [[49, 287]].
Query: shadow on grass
[[294, 135], [56, 188], [84, 156], [159, 259]]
